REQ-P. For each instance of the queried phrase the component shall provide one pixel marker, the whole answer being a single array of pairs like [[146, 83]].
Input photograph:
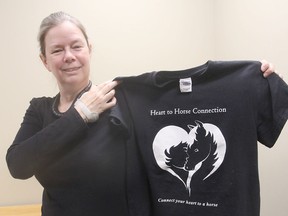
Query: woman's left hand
[[268, 68]]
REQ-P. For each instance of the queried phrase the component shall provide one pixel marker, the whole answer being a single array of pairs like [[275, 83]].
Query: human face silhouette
[[177, 156]]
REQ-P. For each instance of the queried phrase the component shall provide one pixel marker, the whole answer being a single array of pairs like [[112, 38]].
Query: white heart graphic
[[178, 151]]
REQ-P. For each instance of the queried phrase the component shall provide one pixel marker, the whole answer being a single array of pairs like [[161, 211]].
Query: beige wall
[[132, 37], [257, 29]]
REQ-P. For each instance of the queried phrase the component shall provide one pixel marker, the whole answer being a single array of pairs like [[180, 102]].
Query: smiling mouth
[[71, 69]]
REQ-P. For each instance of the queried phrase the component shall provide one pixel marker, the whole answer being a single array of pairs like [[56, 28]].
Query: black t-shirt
[[197, 133]]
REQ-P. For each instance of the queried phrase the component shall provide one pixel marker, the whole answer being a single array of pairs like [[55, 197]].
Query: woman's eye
[[56, 51], [77, 47]]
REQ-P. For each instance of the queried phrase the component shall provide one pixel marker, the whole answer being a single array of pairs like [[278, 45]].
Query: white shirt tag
[[185, 84]]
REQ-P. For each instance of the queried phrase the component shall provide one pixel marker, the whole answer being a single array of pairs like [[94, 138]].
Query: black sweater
[[81, 167]]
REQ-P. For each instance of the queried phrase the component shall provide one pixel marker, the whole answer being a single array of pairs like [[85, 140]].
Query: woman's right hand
[[99, 98]]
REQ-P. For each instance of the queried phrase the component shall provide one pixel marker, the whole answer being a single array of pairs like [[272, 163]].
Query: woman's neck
[[68, 95]]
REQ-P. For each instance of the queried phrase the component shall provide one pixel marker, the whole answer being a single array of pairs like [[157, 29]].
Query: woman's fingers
[[101, 97], [267, 68]]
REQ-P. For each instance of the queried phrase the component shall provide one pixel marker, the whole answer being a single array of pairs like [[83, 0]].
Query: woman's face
[[67, 54]]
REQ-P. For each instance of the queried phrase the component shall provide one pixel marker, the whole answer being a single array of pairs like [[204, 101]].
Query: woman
[[67, 141], [79, 163]]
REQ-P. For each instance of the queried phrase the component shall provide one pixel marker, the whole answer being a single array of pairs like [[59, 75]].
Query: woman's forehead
[[64, 32]]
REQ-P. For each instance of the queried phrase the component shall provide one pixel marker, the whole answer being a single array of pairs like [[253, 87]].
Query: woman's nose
[[69, 56]]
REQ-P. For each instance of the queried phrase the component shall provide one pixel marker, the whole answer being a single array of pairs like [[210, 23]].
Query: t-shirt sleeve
[[273, 110], [138, 196]]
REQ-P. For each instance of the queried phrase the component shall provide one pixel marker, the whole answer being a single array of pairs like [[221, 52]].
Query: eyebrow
[[72, 42]]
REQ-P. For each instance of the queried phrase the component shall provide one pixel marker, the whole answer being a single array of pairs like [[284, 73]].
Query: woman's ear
[[44, 61], [89, 47]]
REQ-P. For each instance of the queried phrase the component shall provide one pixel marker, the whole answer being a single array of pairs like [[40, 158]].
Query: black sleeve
[[137, 186], [35, 145], [273, 106]]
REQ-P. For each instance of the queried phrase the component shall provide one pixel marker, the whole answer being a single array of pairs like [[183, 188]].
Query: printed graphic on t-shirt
[[183, 153]]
